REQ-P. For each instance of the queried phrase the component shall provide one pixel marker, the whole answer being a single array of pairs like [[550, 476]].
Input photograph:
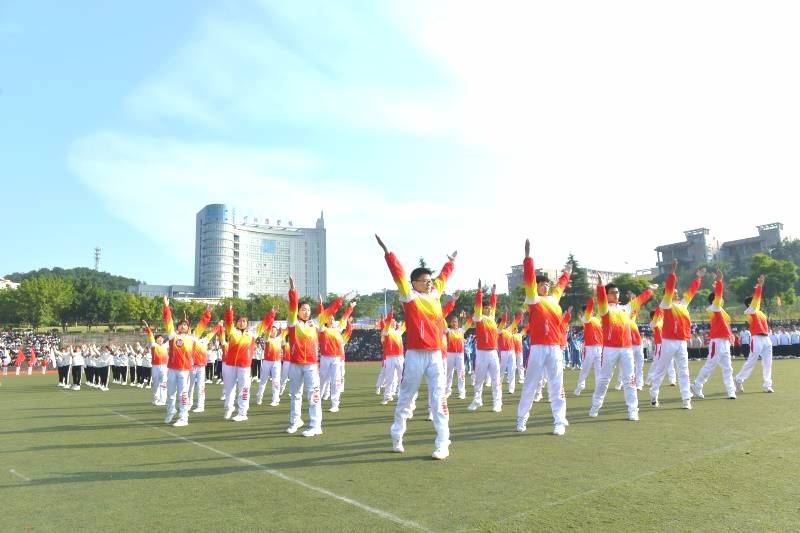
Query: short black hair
[[610, 286], [419, 272], [541, 278], [584, 307], [304, 301], [652, 314], [711, 297], [748, 301]]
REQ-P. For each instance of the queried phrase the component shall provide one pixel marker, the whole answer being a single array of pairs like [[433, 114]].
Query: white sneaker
[[148, 386], [239, 418], [133, 384], [474, 405], [559, 429], [180, 423], [326, 397], [522, 425], [199, 410], [384, 401], [378, 391], [76, 387], [440, 453], [397, 446], [168, 418], [294, 427], [104, 389], [497, 408], [334, 409], [594, 411], [739, 385], [462, 396], [274, 404], [633, 416], [430, 416], [258, 401], [618, 386], [208, 382], [687, 404], [697, 391], [654, 402], [769, 389], [228, 414], [312, 432], [578, 390], [537, 397], [140, 385]]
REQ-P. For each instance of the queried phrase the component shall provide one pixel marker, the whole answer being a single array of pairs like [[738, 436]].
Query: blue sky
[[602, 130]]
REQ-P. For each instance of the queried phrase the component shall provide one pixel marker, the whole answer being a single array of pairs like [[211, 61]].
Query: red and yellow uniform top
[[333, 338], [200, 355], [392, 338], [447, 308], [32, 357], [181, 345], [242, 343], [20, 358], [616, 318], [720, 320], [517, 338], [505, 339], [159, 353], [677, 321], [635, 304], [657, 325], [592, 326], [544, 312], [423, 311], [756, 319], [455, 337], [287, 350], [485, 326], [273, 348], [303, 343]]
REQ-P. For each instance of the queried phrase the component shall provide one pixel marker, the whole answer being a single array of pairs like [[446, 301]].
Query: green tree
[[41, 299], [779, 286], [579, 290]]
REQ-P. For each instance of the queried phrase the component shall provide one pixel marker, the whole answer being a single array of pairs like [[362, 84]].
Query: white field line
[[15, 473], [272, 472]]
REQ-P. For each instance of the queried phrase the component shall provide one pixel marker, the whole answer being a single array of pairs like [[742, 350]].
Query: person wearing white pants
[[592, 347], [393, 360], [760, 343], [546, 333], [656, 326], [487, 363], [719, 348], [179, 364], [271, 368], [455, 358], [676, 332], [333, 335], [197, 377], [520, 362], [505, 347]]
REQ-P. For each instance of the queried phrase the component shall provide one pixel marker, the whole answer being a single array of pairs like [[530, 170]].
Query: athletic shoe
[[140, 385], [559, 429], [274, 404], [497, 408], [430, 416], [654, 402], [618, 386], [687, 404], [326, 397], [739, 385], [334, 409], [633, 416], [697, 391], [672, 384], [538, 396], [180, 423], [384, 401], [169, 418], [294, 427], [594, 411], [76, 387], [769, 389], [522, 425], [440, 453], [462, 396], [378, 391], [578, 390], [258, 401], [397, 446], [133, 384], [199, 410], [239, 418], [732, 397], [228, 414], [104, 389], [208, 381], [312, 432], [474, 405]]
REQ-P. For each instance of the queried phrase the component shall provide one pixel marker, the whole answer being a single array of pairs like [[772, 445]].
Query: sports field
[[91, 460]]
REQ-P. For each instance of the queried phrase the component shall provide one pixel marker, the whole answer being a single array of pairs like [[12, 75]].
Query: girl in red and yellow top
[[19, 359], [159, 354], [455, 356], [179, 363], [676, 331], [487, 361], [546, 332], [505, 345], [197, 376], [332, 338], [421, 299], [304, 372], [240, 345], [592, 346], [31, 361], [719, 347], [617, 348], [271, 367], [393, 359], [760, 343]]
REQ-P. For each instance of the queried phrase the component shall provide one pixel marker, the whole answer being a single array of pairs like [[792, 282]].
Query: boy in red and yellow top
[[31, 361], [676, 333], [657, 326], [455, 356], [271, 367], [617, 346], [592, 346], [19, 359], [760, 343], [487, 361], [240, 344], [425, 323], [546, 332], [304, 372], [505, 346], [719, 348], [159, 353], [332, 338], [179, 363], [393, 359], [197, 377]]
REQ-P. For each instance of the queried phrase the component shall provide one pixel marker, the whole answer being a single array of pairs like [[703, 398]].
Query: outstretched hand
[[527, 247], [760, 280], [452, 257], [674, 265], [291, 283], [382, 245], [700, 272], [166, 300], [718, 275]]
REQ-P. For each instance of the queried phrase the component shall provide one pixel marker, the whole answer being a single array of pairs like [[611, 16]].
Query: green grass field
[[94, 460]]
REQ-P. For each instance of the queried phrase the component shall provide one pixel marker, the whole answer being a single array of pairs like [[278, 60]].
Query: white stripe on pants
[[672, 350], [544, 359], [178, 386], [591, 359], [455, 363], [760, 346], [159, 383], [239, 377], [419, 364], [330, 375], [305, 377], [719, 353], [487, 364], [610, 358], [270, 370], [392, 375], [508, 368], [197, 380]]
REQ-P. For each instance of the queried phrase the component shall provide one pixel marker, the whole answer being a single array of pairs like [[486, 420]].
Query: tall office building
[[243, 258]]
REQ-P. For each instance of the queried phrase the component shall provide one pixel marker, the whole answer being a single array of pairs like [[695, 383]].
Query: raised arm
[[398, 274], [529, 276], [440, 280], [587, 312], [205, 318], [691, 290], [266, 322], [166, 314], [755, 303]]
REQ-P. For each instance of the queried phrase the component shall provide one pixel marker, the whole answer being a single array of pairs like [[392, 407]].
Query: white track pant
[[331, 370], [760, 346], [520, 368], [270, 370], [305, 377], [197, 382], [611, 358], [487, 365], [239, 377], [638, 365], [671, 374], [419, 364], [508, 369], [677, 351], [392, 375], [159, 384], [719, 353], [545, 360], [178, 387], [455, 364], [591, 359]]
